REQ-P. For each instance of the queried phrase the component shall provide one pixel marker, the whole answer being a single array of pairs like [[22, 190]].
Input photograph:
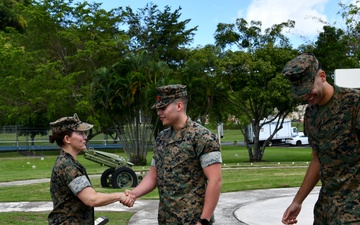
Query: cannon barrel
[[119, 175], [107, 159]]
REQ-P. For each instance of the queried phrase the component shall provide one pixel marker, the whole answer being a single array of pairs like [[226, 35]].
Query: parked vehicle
[[287, 131], [298, 140]]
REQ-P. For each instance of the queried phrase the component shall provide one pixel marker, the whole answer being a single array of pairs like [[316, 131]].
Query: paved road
[[256, 207]]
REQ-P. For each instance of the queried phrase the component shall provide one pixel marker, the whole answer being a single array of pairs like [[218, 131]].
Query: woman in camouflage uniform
[[71, 191]]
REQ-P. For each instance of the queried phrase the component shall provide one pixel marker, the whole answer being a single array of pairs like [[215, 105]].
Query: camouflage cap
[[301, 72], [167, 94], [69, 123]]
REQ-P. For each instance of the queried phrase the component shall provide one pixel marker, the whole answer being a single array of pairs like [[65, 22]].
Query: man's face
[[168, 114], [316, 95]]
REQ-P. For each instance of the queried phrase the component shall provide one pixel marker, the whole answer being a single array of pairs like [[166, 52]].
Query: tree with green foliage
[[249, 37], [333, 51], [257, 88], [125, 93], [11, 16], [122, 91], [351, 15], [159, 33], [59, 51], [338, 48], [205, 88]]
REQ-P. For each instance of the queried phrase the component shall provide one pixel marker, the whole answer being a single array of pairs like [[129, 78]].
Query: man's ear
[[179, 106], [322, 75]]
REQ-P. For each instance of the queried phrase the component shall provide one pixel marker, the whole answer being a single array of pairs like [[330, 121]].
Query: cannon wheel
[[123, 177], [106, 177]]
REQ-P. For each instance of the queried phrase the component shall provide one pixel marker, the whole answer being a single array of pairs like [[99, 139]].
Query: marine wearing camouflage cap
[[167, 94], [69, 123], [301, 72]]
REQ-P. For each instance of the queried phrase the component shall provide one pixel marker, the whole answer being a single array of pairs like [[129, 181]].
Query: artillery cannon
[[119, 175]]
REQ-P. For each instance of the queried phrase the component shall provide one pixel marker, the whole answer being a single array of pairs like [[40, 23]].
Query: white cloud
[[306, 14]]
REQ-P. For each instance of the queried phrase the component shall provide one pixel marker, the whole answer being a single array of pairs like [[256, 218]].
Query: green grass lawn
[[40, 218], [238, 172], [232, 135]]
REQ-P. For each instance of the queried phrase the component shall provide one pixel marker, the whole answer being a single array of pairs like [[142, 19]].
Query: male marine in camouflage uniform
[[332, 123], [186, 167]]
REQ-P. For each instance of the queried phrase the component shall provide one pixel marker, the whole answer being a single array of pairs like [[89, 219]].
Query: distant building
[[349, 78]]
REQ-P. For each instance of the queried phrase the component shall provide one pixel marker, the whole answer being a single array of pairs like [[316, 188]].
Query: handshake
[[127, 198]]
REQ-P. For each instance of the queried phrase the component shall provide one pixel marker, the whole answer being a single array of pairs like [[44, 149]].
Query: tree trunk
[[138, 160]]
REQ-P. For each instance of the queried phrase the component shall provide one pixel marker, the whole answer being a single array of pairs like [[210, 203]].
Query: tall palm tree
[[124, 93]]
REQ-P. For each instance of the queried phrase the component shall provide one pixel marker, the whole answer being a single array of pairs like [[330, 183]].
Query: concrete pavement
[[256, 207]]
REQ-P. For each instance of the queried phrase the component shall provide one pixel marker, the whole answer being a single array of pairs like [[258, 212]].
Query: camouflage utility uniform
[[179, 158], [334, 134], [68, 178]]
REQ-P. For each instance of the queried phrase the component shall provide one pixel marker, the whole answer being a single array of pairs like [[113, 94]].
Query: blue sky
[[207, 14]]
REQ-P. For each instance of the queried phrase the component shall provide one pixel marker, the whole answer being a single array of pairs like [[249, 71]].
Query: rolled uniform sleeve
[[208, 148], [153, 162], [78, 184], [210, 158], [68, 178]]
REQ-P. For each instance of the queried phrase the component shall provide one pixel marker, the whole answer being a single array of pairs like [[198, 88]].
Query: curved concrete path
[[256, 207]]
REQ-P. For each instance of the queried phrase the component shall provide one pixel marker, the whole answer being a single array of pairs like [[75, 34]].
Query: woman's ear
[[67, 139]]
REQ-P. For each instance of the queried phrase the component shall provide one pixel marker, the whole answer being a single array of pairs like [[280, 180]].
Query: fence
[[13, 138]]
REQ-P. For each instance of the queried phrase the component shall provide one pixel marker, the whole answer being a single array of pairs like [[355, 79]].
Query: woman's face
[[78, 140]]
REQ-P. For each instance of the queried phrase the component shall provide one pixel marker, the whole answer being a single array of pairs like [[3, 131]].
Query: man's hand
[[291, 213], [129, 199]]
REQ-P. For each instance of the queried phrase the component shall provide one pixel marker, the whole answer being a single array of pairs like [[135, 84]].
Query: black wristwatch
[[204, 222]]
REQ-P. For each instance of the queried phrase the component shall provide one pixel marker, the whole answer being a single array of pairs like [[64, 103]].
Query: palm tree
[[125, 93]]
